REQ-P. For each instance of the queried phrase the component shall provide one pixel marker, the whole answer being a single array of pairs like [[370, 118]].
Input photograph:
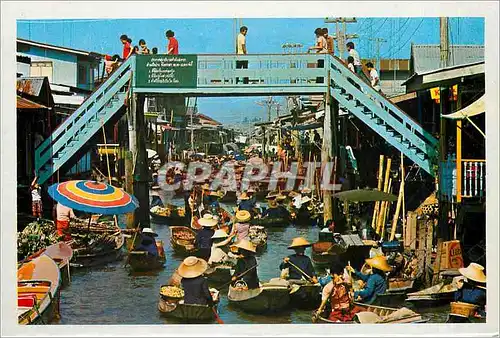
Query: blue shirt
[[272, 213], [148, 244], [204, 238], [375, 285], [472, 295], [156, 201], [301, 261], [196, 291], [247, 205]]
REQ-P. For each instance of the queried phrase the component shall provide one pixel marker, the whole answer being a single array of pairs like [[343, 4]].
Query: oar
[[300, 270], [217, 318], [239, 276], [132, 245]]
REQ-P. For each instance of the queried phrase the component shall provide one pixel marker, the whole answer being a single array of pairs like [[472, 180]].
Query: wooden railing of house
[[471, 179]]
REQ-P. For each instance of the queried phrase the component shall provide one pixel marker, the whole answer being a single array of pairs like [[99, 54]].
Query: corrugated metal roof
[[23, 103], [59, 48], [30, 85], [425, 58]]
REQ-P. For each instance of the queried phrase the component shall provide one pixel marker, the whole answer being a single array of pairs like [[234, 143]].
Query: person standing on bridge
[[321, 44], [241, 49], [329, 41], [127, 48], [355, 55], [374, 79], [173, 44]]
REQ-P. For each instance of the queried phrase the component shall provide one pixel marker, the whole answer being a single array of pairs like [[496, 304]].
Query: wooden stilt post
[[396, 213], [385, 210]]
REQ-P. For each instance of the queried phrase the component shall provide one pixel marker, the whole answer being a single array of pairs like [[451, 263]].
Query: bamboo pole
[[403, 188], [379, 187], [385, 210], [107, 161], [396, 213], [386, 189]]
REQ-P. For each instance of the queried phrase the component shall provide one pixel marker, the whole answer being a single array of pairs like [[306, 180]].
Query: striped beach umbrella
[[93, 197]]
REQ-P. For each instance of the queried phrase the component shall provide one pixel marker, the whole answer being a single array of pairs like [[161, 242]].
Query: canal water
[[113, 295]]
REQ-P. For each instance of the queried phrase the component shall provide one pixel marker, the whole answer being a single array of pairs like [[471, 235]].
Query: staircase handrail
[[123, 69], [367, 88]]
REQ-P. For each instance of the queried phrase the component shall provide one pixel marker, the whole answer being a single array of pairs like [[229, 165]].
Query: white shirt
[[217, 255], [351, 67], [322, 40], [355, 56], [35, 195], [373, 79], [240, 43]]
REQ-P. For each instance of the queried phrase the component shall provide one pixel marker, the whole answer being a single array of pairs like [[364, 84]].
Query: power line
[[399, 37], [411, 36]]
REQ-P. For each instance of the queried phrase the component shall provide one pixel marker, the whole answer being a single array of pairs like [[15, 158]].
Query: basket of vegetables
[[172, 294]]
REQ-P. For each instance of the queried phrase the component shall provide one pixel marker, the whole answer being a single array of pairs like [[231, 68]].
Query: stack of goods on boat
[[258, 236], [144, 261], [170, 215], [96, 248], [273, 296], [182, 240], [38, 284], [35, 237]]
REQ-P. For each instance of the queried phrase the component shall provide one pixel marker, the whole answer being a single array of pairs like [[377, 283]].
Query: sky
[[217, 36]]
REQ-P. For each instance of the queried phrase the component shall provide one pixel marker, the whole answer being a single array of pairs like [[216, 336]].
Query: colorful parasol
[[93, 197]]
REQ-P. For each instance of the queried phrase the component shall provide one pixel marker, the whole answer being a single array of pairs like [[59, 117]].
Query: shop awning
[[476, 108], [306, 127], [23, 103]]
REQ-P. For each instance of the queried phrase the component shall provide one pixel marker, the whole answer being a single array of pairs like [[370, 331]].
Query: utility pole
[[341, 35], [444, 43], [377, 41], [269, 103]]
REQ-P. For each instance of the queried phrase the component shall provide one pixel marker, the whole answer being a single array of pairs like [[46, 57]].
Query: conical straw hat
[[207, 221], [219, 234], [474, 272], [281, 197], [272, 203], [243, 216], [271, 195], [244, 196], [192, 267], [298, 242], [305, 199], [379, 262], [149, 231], [245, 245]]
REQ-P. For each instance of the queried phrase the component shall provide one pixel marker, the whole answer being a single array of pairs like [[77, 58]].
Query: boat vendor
[[272, 211], [339, 293], [148, 242], [194, 284], [304, 212], [64, 214], [284, 213], [213, 199], [300, 260], [246, 203], [374, 277], [246, 264], [241, 226], [155, 195], [203, 239], [155, 179], [217, 255], [473, 289]]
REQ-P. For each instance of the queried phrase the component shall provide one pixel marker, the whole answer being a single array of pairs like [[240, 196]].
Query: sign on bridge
[[167, 71]]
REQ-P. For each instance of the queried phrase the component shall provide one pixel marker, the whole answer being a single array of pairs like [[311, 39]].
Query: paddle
[[132, 245], [217, 318], [236, 277], [302, 272]]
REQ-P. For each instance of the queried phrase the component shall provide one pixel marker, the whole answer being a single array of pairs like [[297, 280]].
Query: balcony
[[467, 180]]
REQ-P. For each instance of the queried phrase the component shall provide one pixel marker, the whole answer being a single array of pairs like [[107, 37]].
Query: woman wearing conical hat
[[304, 214], [300, 260], [148, 242], [375, 279], [246, 264], [473, 290], [217, 255], [155, 195], [246, 203], [203, 239], [241, 226], [272, 211], [194, 284]]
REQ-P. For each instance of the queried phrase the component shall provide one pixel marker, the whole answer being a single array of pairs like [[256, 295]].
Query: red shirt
[[126, 50], [174, 45]]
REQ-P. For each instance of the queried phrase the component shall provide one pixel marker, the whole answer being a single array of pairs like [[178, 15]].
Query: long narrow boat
[[172, 218], [380, 315], [38, 284], [144, 261], [436, 295], [305, 295], [220, 274], [62, 254], [188, 313], [182, 240], [270, 297], [84, 257], [268, 222]]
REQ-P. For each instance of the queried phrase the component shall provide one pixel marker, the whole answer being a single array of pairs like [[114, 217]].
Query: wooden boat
[[220, 274], [228, 197], [188, 313], [373, 314], [396, 293], [168, 220], [143, 261], [38, 284], [84, 257], [61, 253], [461, 312], [270, 297], [324, 251], [182, 240], [305, 295], [436, 295]]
